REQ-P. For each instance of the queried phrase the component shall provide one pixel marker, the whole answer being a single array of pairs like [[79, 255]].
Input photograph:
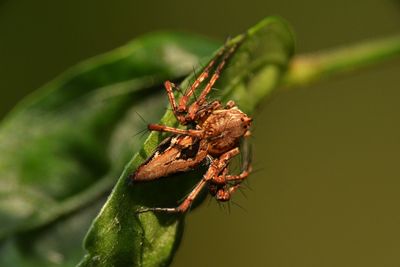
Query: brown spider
[[213, 134]]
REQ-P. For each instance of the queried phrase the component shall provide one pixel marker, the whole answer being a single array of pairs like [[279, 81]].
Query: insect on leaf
[[121, 237]]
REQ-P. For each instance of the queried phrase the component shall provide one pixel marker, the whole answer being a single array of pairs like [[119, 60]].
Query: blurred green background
[[326, 192]]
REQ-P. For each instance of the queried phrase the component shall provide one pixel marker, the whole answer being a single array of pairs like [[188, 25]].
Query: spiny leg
[[223, 178], [240, 177], [185, 98], [216, 74], [169, 88], [164, 128], [216, 167], [224, 158], [230, 183], [202, 98], [180, 109], [224, 194], [185, 205]]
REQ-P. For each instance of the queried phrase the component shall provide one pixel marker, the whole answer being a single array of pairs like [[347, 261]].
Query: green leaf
[[63, 147], [121, 237], [57, 244]]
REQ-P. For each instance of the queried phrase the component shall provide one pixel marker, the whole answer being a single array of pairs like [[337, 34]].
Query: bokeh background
[[327, 189]]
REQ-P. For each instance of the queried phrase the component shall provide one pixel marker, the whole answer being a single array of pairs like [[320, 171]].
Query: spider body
[[175, 154], [213, 134], [225, 128]]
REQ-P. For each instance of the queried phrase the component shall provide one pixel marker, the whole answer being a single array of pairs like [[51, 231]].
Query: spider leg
[[227, 189], [169, 88], [224, 177], [215, 76], [221, 163], [224, 194], [240, 177], [216, 167], [164, 128], [185, 205], [202, 98], [185, 98], [181, 109]]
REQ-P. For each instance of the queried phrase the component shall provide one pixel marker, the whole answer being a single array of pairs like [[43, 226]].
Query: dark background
[[327, 189]]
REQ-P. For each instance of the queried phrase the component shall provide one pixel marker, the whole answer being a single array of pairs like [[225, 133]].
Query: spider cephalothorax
[[214, 134]]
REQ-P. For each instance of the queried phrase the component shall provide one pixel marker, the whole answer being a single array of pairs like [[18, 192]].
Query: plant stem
[[308, 68]]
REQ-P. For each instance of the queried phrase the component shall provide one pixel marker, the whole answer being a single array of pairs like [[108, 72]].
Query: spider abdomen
[[225, 127]]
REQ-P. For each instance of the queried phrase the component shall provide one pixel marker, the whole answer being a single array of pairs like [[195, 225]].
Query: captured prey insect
[[213, 134]]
